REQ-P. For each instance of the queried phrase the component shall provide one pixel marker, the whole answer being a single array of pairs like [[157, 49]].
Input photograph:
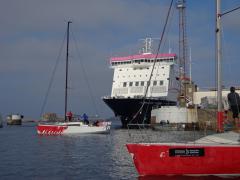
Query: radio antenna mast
[[183, 54]]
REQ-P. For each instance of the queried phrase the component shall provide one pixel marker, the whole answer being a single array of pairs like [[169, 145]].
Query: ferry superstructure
[[130, 83]]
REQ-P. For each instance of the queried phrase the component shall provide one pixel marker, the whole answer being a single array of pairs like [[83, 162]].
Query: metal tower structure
[[183, 52]]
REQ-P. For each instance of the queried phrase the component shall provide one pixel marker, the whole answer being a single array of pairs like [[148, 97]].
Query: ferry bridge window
[[130, 83], [136, 83], [137, 61], [154, 83], [124, 84], [161, 82], [142, 83]]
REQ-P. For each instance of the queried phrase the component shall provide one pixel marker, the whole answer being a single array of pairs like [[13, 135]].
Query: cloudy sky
[[32, 33]]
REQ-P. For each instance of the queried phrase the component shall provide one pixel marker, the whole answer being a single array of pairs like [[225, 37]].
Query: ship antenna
[[147, 45], [169, 47]]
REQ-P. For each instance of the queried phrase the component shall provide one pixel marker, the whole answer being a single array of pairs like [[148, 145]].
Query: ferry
[[131, 98]]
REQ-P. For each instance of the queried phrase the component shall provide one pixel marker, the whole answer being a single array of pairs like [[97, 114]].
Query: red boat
[[202, 157]]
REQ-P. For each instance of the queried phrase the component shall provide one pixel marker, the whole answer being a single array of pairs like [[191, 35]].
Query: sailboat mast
[[66, 77], [219, 67]]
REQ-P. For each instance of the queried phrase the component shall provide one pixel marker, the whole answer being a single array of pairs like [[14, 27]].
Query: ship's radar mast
[[147, 45]]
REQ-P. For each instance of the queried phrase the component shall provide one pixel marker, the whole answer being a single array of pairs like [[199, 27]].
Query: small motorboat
[[14, 119]]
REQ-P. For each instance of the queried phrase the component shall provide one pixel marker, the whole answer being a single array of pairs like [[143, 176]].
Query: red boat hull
[[183, 159]]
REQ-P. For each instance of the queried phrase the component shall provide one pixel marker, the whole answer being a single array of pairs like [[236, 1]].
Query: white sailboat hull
[[73, 128]]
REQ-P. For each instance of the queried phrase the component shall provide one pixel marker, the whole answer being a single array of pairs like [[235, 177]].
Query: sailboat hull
[[185, 159], [72, 128]]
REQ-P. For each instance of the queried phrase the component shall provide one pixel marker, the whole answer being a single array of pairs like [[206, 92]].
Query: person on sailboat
[[85, 118], [69, 116], [234, 104]]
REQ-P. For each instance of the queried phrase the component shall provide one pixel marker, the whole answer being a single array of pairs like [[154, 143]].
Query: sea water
[[26, 155]]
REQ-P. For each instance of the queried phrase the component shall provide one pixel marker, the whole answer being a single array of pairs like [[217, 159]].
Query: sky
[[32, 34]]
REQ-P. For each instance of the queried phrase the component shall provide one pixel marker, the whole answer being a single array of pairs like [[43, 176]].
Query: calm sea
[[26, 155]]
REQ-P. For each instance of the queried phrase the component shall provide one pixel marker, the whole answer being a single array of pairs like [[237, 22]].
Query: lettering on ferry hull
[[186, 152]]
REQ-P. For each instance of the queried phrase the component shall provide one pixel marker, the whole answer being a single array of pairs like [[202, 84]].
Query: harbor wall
[[199, 119]]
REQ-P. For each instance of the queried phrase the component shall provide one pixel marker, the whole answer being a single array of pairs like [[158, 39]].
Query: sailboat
[[217, 154], [67, 127]]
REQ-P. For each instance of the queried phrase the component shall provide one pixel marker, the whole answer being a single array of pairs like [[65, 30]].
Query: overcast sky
[[32, 32]]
